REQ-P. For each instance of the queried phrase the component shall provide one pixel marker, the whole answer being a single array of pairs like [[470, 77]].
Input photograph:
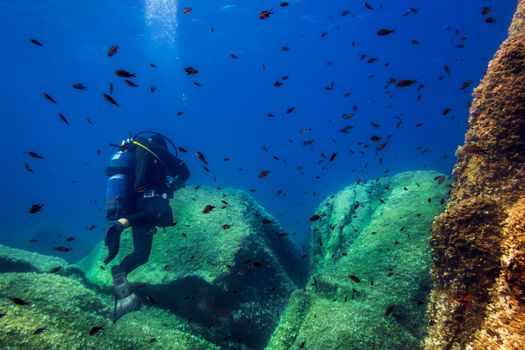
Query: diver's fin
[[125, 306], [125, 300]]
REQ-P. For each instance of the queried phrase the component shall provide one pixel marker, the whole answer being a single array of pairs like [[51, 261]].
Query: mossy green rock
[[19, 260], [370, 268], [231, 269], [61, 313]]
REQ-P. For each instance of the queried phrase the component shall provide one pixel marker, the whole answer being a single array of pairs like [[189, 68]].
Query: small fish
[[290, 110], [33, 240], [191, 71], [374, 125], [485, 10], [36, 42], [472, 149], [208, 208], [445, 111], [110, 100], [124, 74], [410, 11], [265, 14], [447, 69], [55, 269], [150, 299], [490, 20], [234, 56], [465, 85], [49, 98], [368, 6], [130, 83], [182, 149], [277, 83], [62, 249], [28, 168], [201, 157], [389, 310], [70, 239], [110, 88], [79, 86], [385, 31], [332, 157], [186, 10], [405, 83], [153, 65], [226, 226], [264, 173], [415, 42], [375, 138], [113, 50], [283, 3], [440, 179], [63, 118], [95, 329], [19, 301], [196, 83], [314, 218], [354, 278], [35, 208], [33, 155]]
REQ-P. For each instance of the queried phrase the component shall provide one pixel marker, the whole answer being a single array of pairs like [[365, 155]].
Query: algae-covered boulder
[[370, 267], [46, 311], [231, 269], [19, 260]]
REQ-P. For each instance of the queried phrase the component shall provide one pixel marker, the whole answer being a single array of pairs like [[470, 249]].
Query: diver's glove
[[112, 240]]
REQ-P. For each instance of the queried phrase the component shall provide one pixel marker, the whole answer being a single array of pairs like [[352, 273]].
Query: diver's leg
[[142, 242]]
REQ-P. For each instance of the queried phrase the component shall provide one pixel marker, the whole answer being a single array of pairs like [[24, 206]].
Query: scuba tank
[[119, 191]]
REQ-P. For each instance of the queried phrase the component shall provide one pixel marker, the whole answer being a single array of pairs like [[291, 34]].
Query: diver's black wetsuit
[[152, 206]]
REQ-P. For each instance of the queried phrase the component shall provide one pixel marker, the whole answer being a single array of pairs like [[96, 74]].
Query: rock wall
[[478, 243]]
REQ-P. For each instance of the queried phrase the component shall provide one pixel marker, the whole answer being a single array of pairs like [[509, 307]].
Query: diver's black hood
[[158, 141]]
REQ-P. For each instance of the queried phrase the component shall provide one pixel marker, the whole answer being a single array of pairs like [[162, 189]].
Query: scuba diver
[[143, 175]]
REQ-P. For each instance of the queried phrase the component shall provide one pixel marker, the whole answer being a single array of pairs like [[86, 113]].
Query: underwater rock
[[231, 269], [478, 243], [370, 267], [19, 260], [45, 311]]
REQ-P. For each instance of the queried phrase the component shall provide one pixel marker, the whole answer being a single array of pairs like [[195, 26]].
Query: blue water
[[227, 115]]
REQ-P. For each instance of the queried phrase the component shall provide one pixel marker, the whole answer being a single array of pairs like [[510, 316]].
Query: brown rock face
[[478, 243]]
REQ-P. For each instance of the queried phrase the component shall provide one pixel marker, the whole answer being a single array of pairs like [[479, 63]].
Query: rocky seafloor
[[233, 279]]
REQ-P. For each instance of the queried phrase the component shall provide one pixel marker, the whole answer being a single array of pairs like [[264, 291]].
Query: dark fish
[[472, 149], [33, 240], [130, 83], [405, 83], [63, 118], [110, 100], [447, 69], [385, 31], [226, 226], [33, 155], [346, 129], [277, 84], [79, 86], [49, 98], [153, 65], [440, 179], [28, 168], [283, 3], [186, 10], [265, 14], [70, 239], [290, 110], [354, 278], [19, 301], [182, 149], [91, 228], [201, 157], [95, 329], [36, 42], [110, 88], [124, 74], [490, 20], [485, 10], [191, 71], [264, 173], [345, 12], [150, 299], [308, 142], [415, 42], [113, 50], [465, 85], [62, 249], [375, 138], [445, 111], [196, 83], [234, 56], [55, 269], [332, 157], [410, 11], [152, 88], [35, 208], [315, 217], [368, 6], [207, 209], [374, 125]]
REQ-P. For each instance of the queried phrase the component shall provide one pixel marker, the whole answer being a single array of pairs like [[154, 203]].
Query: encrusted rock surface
[[370, 267], [478, 301]]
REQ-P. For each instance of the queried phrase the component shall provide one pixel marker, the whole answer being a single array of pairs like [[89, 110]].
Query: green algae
[[370, 268]]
